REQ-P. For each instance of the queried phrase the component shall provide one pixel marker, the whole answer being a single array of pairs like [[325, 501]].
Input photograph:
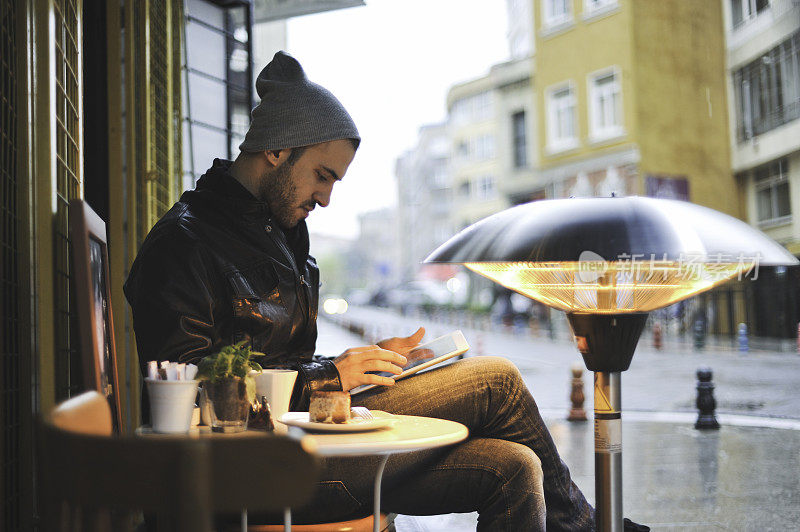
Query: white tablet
[[441, 349]]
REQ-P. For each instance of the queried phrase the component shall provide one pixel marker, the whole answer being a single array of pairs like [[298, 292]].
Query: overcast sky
[[391, 63]]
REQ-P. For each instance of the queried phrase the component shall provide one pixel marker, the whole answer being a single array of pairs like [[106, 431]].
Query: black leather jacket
[[216, 270]]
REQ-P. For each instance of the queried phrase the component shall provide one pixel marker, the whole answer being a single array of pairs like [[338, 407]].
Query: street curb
[[689, 418]]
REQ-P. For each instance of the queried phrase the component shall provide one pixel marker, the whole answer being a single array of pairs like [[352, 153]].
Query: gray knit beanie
[[294, 111]]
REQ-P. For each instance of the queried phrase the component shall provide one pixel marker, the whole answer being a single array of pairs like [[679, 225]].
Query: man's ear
[[276, 158]]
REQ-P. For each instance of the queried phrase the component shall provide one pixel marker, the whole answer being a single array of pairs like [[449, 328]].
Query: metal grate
[[138, 83], [159, 173], [67, 187], [156, 86], [177, 112], [10, 323]]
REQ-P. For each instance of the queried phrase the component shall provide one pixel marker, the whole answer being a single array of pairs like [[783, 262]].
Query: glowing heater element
[[609, 287]]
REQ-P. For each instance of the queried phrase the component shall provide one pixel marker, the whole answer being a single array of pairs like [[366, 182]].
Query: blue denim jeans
[[508, 470]]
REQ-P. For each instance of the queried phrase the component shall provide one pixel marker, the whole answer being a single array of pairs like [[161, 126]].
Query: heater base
[[607, 341]]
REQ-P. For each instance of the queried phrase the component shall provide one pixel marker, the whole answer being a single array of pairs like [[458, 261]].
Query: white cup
[[276, 385], [171, 405]]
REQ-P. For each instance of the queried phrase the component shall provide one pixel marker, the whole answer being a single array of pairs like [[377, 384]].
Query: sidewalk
[[742, 477], [678, 478]]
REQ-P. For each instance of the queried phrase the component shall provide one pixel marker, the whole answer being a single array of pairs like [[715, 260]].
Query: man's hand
[[354, 363], [403, 345]]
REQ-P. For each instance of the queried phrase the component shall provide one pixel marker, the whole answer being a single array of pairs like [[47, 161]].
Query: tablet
[[441, 349]]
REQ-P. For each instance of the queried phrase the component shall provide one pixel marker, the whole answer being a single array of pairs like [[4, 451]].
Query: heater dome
[[610, 255]]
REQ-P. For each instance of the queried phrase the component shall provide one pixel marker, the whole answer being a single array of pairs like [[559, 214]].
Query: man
[[230, 262]]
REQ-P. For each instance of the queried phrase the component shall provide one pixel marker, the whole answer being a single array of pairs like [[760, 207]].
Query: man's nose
[[323, 197]]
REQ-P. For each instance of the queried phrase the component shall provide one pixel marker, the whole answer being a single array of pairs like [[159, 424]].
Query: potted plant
[[227, 388]]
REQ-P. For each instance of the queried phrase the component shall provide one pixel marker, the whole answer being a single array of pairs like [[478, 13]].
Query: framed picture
[[93, 304]]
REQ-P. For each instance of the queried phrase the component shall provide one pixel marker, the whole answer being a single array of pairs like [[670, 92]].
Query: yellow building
[[631, 99]]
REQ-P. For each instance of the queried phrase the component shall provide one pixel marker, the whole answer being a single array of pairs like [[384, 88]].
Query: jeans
[[508, 469]]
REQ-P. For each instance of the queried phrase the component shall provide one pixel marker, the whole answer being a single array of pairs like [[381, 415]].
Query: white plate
[[300, 419]]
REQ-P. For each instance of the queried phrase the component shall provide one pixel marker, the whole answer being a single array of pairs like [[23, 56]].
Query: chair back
[[92, 480], [87, 413], [261, 473], [92, 291]]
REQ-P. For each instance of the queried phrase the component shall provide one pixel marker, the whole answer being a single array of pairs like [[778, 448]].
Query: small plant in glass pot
[[227, 388]]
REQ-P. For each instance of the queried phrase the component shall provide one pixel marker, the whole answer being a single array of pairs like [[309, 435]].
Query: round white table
[[406, 434]]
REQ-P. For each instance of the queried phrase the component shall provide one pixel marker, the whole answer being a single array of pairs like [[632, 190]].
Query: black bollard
[[706, 404]]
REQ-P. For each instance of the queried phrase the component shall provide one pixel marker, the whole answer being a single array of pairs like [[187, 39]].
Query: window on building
[[458, 112], [462, 149], [744, 10], [561, 127], [484, 188], [440, 178], [484, 147], [520, 139], [483, 106], [772, 192], [472, 108], [605, 105], [767, 90], [556, 12]]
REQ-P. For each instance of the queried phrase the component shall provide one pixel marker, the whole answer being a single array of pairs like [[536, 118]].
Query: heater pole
[[608, 451]]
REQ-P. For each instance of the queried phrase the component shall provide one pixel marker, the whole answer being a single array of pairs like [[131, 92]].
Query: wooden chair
[[363, 524], [92, 480], [93, 304], [86, 472]]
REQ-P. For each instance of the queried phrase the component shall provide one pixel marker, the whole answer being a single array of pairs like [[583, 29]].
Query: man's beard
[[278, 191]]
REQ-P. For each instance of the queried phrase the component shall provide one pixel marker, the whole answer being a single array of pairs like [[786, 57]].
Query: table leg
[[287, 520], [376, 516]]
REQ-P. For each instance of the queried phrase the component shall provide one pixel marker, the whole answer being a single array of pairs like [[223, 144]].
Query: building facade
[[763, 75], [425, 199], [763, 80], [491, 126], [628, 105], [376, 257]]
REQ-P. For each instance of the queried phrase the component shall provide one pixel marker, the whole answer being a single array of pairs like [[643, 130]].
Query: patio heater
[[607, 262]]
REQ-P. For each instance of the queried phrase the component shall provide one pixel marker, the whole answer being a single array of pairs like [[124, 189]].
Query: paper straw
[[152, 370]]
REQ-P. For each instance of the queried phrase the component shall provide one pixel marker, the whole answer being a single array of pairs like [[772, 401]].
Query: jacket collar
[[219, 184]]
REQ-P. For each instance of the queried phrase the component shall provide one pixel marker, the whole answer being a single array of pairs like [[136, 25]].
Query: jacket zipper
[[299, 279]]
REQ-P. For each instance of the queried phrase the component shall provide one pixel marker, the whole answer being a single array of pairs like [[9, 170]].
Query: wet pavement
[[762, 383], [745, 476]]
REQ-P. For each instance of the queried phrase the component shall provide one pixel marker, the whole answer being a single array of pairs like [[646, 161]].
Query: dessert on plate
[[329, 407]]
